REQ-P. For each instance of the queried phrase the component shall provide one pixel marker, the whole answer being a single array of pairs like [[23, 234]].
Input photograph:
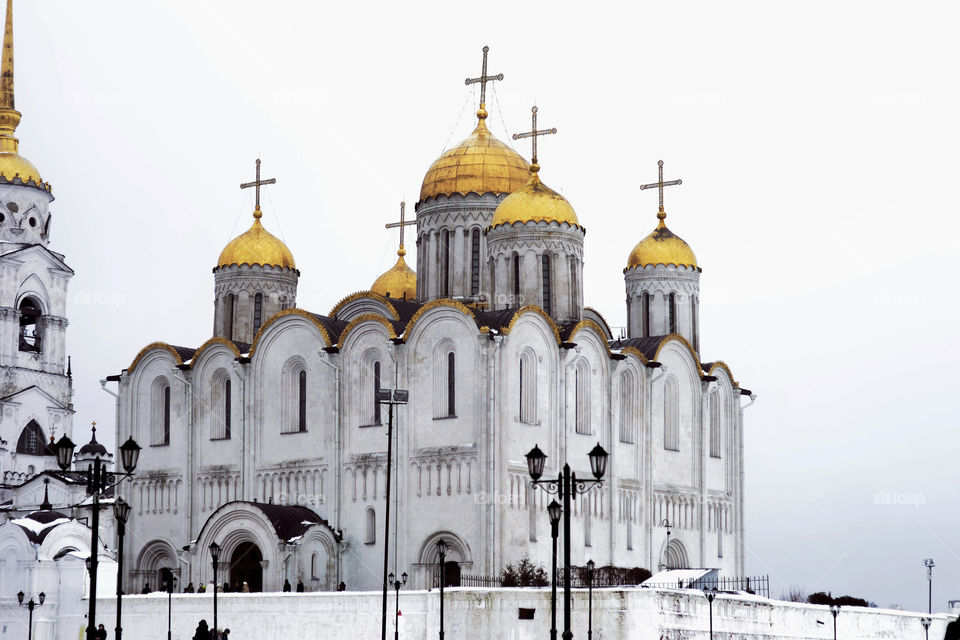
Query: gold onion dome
[[662, 246], [479, 164], [399, 282], [534, 202], [257, 246]]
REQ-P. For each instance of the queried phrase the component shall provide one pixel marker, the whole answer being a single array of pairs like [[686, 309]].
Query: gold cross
[[660, 184], [403, 223], [483, 79], [533, 133], [256, 183], [94, 424]]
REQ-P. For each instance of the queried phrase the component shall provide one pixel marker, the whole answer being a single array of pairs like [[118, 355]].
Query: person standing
[[101, 633], [286, 586], [202, 632], [300, 585]]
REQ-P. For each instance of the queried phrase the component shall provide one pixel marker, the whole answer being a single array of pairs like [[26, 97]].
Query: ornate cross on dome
[[533, 133], [403, 223], [483, 79], [257, 183], [660, 184]]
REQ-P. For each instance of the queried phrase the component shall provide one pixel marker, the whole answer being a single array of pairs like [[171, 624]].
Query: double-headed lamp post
[[98, 482], [834, 611], [442, 554], [926, 627], [711, 593], [928, 563], [396, 587], [389, 397], [554, 510], [590, 568], [30, 606], [567, 486], [215, 555], [121, 511]]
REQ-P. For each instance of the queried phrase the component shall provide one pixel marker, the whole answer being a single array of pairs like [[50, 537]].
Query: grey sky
[[816, 143]]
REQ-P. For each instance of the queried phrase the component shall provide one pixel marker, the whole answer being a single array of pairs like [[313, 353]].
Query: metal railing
[[757, 585]]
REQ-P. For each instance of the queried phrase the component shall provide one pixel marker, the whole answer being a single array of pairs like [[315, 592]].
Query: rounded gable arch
[[282, 322], [33, 287]]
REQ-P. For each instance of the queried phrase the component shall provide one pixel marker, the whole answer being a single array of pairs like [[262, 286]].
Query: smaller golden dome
[[534, 202], [662, 247], [257, 246], [399, 282], [13, 165], [479, 164]]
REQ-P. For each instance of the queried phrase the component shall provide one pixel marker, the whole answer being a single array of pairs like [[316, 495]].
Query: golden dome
[[399, 282], [662, 247], [13, 165], [534, 202], [479, 164], [257, 246]]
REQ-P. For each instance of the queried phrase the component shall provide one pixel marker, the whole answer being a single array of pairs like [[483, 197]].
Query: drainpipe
[[337, 453]]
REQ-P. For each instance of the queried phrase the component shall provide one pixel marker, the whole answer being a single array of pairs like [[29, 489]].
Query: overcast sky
[[816, 143]]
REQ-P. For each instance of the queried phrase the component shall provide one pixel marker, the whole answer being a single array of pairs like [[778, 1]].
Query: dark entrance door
[[451, 573], [245, 567]]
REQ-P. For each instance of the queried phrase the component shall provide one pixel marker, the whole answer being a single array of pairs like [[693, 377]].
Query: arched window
[[30, 330], [160, 412], [313, 566], [445, 263], [302, 401], [475, 262], [32, 442], [672, 312], [228, 303], [516, 280], [645, 314], [220, 403], [376, 388], [588, 519], [528, 387], [547, 292], [628, 406], [257, 312], [574, 291], [445, 382], [294, 396], [370, 531], [671, 422], [714, 425], [227, 410], [695, 323], [582, 396]]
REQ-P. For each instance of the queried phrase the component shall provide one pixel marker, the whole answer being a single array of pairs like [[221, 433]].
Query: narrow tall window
[[370, 534], [226, 409], [573, 284], [32, 441], [714, 425], [30, 331], [719, 541], [516, 280], [445, 262], [627, 407], [672, 311], [582, 397], [588, 520], [546, 286], [257, 312], [166, 415], [302, 402], [376, 387], [228, 303], [645, 314], [695, 323], [528, 388], [475, 262], [671, 423], [451, 384]]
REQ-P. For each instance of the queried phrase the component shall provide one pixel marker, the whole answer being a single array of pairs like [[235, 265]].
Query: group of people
[[204, 632], [243, 588]]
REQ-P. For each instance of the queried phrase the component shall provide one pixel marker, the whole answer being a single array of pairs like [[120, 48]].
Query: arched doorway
[[245, 567], [451, 573]]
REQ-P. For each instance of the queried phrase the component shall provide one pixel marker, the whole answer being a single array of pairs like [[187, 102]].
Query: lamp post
[[926, 627], [711, 593], [554, 510], [590, 567], [834, 610], [389, 397], [121, 511], [98, 481], [928, 563], [30, 606], [568, 487], [215, 554], [442, 553], [168, 581], [663, 564], [396, 587]]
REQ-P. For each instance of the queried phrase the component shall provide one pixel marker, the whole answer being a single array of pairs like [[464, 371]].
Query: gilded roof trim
[[532, 308], [585, 323], [635, 352], [150, 347], [216, 340], [364, 294], [679, 338], [572, 225], [723, 365], [433, 304], [366, 317], [290, 312]]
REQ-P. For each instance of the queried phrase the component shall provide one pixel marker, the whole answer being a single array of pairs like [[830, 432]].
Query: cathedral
[[269, 439]]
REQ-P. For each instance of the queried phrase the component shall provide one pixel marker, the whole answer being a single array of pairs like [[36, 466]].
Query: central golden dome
[[479, 164], [399, 282], [662, 246], [257, 246], [534, 202]]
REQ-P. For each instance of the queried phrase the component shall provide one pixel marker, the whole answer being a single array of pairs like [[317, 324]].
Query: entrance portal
[[245, 567]]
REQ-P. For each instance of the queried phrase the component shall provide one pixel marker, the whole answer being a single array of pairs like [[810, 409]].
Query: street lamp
[[98, 482], [389, 397], [663, 563], [928, 563], [711, 593], [168, 581], [215, 554], [926, 627], [30, 606], [396, 587], [567, 486], [121, 511], [554, 510], [442, 553], [590, 567], [834, 610]]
